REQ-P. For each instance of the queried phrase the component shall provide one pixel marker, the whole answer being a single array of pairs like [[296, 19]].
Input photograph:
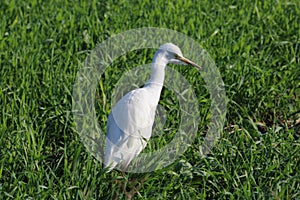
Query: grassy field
[[256, 47]]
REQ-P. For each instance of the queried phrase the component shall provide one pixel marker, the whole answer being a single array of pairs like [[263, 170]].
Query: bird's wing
[[129, 127], [134, 113]]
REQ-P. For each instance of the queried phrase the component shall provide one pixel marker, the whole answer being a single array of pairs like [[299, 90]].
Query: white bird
[[130, 122]]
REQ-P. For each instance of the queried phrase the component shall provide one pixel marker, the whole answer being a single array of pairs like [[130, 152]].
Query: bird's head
[[175, 56]]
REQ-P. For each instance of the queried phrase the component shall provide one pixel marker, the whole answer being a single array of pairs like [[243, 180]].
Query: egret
[[130, 122]]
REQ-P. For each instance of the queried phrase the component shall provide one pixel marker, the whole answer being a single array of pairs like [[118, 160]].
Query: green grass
[[256, 46]]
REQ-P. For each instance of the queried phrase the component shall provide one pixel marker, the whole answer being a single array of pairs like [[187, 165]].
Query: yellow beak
[[187, 61]]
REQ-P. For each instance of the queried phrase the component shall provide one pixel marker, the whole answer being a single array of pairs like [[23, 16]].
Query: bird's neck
[[158, 70], [156, 81], [157, 75]]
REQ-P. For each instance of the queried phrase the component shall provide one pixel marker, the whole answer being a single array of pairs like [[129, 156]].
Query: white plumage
[[130, 122]]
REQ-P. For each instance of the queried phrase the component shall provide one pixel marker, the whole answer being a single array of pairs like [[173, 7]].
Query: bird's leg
[[129, 185], [121, 182], [134, 189]]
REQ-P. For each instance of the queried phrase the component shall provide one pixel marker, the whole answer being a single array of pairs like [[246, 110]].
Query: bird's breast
[[134, 113]]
